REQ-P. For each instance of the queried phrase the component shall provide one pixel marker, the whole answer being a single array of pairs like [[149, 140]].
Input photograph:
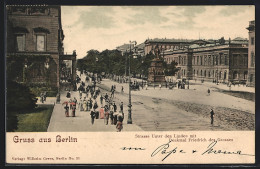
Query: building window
[[245, 60], [226, 62], [251, 78], [235, 75], [184, 60], [40, 43], [200, 60], [245, 75], [225, 75], [201, 73], [205, 73], [197, 60], [235, 60], [252, 41], [209, 60], [20, 42], [213, 60], [252, 58], [205, 60], [220, 59], [209, 73], [216, 60]]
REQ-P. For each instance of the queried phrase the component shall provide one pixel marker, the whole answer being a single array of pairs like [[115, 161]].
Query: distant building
[[35, 44], [124, 48], [138, 49], [251, 54], [172, 44], [212, 62]]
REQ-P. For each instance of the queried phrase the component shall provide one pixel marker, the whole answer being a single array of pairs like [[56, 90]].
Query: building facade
[[212, 62], [34, 44], [165, 44], [251, 54]]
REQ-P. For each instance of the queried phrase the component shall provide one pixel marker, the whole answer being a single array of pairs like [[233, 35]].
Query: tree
[[171, 69], [221, 41], [19, 99]]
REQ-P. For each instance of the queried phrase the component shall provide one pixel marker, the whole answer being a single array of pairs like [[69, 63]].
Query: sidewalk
[[82, 121], [49, 100], [225, 87]]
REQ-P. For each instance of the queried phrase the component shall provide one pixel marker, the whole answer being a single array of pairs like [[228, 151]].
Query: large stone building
[[212, 62], [35, 45], [165, 44], [251, 54], [171, 44]]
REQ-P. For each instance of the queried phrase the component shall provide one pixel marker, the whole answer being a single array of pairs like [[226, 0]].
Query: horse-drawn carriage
[[135, 86]]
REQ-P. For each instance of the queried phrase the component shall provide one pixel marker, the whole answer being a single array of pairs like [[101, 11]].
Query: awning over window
[[18, 29], [41, 30]]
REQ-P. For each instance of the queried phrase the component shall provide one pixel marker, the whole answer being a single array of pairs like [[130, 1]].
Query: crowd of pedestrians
[[99, 105]]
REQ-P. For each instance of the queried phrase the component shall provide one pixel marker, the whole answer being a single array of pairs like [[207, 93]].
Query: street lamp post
[[129, 120], [188, 83]]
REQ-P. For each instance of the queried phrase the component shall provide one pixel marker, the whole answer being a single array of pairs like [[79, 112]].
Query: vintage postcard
[[130, 84]]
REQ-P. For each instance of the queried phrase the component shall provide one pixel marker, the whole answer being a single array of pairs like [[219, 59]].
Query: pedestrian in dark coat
[[93, 115], [106, 114], [73, 110], [111, 114], [121, 107], [66, 110], [119, 126], [212, 116], [101, 100], [68, 94], [115, 107], [95, 105]]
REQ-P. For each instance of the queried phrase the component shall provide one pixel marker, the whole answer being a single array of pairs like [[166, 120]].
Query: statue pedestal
[[156, 72]]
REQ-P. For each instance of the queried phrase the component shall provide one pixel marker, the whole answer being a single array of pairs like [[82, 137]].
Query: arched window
[[209, 73], [205, 73], [201, 73]]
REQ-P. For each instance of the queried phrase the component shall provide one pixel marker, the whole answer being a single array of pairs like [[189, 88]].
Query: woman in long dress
[[85, 105], [66, 110]]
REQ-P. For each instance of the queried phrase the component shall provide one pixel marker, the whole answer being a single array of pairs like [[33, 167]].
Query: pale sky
[[106, 27]]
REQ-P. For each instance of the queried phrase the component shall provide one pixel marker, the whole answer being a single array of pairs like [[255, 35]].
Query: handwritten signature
[[168, 149]]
